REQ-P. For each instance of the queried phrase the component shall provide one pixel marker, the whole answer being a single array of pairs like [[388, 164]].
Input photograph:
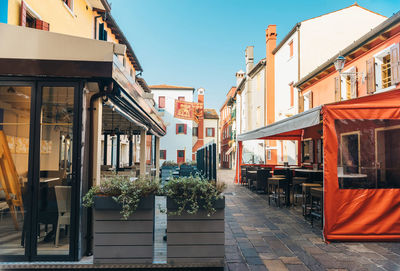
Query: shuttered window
[[337, 89], [371, 84], [68, 3], [291, 95], [181, 98], [395, 63], [386, 72], [301, 103], [161, 102], [181, 129], [163, 154], [210, 132], [27, 20]]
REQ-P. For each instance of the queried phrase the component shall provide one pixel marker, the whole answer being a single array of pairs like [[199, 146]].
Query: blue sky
[[201, 43]]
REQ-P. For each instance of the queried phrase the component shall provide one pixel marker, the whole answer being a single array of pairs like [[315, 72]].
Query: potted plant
[[123, 219], [195, 221]]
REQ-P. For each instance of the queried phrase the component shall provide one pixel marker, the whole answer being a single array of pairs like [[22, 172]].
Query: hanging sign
[[188, 110]]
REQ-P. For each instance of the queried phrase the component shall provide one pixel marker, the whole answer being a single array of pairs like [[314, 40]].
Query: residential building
[[211, 127], [177, 144], [227, 115], [250, 105], [67, 82], [305, 47], [371, 66]]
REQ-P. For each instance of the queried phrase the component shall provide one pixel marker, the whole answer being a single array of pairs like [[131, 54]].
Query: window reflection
[[368, 153]]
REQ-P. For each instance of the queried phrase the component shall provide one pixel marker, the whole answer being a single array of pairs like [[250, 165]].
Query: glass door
[[15, 129], [54, 175]]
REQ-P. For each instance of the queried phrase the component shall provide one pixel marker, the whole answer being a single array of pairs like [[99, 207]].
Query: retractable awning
[[285, 128]]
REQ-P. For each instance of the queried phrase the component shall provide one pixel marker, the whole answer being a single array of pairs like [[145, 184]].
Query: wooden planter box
[[196, 239], [123, 241]]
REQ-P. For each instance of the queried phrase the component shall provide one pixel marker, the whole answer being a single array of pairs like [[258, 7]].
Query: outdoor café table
[[349, 176], [316, 195], [306, 194], [278, 182]]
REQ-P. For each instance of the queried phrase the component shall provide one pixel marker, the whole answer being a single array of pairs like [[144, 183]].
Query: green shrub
[[192, 193], [124, 191]]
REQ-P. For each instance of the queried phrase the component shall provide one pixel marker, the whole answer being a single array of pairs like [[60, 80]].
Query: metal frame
[[36, 85]]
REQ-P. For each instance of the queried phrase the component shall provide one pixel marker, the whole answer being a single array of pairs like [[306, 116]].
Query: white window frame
[[343, 78], [306, 97], [378, 73]]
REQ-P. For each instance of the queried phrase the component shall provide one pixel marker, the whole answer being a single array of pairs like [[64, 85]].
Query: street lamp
[[339, 63]]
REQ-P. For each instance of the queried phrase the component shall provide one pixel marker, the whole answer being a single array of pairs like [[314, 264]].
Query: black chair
[[251, 175], [262, 180], [243, 174]]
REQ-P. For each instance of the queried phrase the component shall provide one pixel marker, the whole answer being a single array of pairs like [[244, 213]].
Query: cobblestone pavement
[[262, 237]]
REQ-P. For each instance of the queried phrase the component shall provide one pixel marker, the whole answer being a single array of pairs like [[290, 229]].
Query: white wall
[[257, 82], [324, 36], [172, 142]]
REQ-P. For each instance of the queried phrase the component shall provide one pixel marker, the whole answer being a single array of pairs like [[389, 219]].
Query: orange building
[[371, 66], [227, 154]]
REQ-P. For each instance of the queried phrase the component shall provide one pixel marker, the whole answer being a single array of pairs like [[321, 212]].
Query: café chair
[[262, 180], [63, 196]]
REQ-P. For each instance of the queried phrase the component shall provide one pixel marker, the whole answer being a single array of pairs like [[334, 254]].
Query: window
[[161, 102], [368, 152], [124, 61], [348, 87], [307, 103], [308, 151], [181, 154], [131, 73], [102, 32], [68, 3], [163, 154], [29, 18], [181, 129], [291, 95], [386, 72], [350, 155], [291, 48], [268, 154], [210, 132], [181, 98], [195, 131]]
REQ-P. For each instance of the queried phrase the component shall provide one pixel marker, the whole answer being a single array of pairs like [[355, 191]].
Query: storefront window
[[15, 108], [368, 153]]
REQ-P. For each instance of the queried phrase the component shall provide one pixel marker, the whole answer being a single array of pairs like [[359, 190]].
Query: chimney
[[249, 53], [269, 103], [239, 77]]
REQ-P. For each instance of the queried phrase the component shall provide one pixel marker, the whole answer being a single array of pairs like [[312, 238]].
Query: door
[[15, 150], [180, 157], [38, 170], [55, 178]]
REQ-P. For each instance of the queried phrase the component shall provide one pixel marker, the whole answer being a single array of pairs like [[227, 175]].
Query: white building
[[250, 105], [176, 145], [309, 44]]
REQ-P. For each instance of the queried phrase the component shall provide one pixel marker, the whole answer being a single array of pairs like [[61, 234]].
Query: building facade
[[227, 115], [177, 144], [305, 47]]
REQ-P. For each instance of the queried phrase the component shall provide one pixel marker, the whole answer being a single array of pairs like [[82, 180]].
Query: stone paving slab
[[263, 237]]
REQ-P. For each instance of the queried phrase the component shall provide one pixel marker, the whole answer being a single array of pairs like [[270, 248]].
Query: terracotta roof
[[210, 114], [164, 86]]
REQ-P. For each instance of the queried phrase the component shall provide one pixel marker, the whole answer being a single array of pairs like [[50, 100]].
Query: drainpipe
[[104, 90]]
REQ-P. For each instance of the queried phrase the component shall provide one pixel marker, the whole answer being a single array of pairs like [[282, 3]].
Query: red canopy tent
[[353, 210]]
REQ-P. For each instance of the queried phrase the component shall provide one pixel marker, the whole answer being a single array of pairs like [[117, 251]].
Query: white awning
[[300, 121]]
